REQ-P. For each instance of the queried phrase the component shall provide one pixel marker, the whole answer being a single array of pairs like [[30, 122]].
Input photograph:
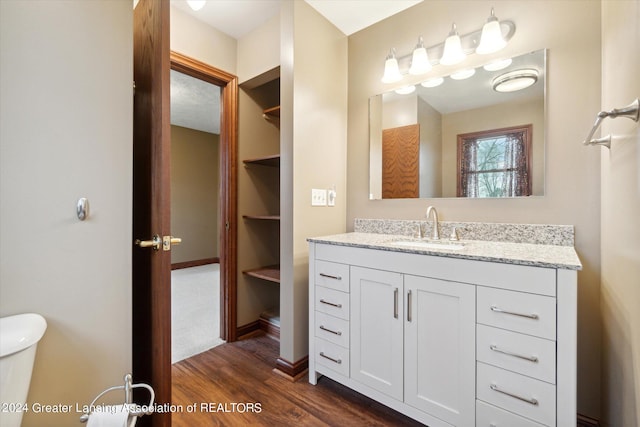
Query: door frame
[[228, 84]]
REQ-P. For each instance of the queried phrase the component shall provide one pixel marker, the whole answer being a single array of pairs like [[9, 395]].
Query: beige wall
[[259, 51], [66, 114], [194, 38], [195, 189], [430, 121], [620, 294], [572, 195], [313, 144]]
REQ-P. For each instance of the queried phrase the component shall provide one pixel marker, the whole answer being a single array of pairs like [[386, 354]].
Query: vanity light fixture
[[391, 69], [515, 80], [491, 39], [406, 90], [498, 65], [463, 74], [433, 82], [420, 59], [196, 4], [453, 53]]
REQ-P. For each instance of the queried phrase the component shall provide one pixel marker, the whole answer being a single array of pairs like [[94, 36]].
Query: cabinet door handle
[[532, 401], [329, 330], [395, 303], [495, 348], [329, 276], [338, 361], [409, 306], [331, 303], [513, 313]]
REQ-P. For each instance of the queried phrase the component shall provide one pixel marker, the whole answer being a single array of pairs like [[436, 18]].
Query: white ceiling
[[239, 17], [195, 104]]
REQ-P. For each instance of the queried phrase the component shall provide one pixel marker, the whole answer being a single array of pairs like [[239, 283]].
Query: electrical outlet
[[318, 197]]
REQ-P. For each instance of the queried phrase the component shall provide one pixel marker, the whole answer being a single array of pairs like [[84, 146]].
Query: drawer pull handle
[[495, 348], [409, 306], [513, 313], [531, 401], [395, 303], [329, 330], [329, 276], [331, 303], [338, 361]]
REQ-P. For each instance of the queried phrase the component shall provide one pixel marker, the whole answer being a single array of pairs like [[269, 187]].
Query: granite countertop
[[537, 255]]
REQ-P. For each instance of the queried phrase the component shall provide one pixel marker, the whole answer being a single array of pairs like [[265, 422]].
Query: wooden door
[[440, 349], [151, 205], [401, 162], [377, 330]]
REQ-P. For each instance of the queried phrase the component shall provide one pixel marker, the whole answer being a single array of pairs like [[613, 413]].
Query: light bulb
[[491, 39], [420, 61], [453, 53], [391, 70], [196, 4]]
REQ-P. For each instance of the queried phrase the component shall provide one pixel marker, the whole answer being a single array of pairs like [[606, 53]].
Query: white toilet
[[19, 336]]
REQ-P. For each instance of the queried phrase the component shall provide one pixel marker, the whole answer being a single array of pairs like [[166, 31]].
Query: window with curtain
[[495, 163]]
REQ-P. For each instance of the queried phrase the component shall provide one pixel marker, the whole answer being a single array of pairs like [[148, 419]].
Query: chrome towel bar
[[631, 111]]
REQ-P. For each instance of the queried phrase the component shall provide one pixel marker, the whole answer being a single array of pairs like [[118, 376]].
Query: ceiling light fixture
[[453, 53], [515, 80], [391, 70], [491, 39], [420, 59], [196, 4]]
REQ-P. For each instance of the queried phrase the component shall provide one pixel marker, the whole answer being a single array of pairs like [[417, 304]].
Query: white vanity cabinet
[[446, 341]]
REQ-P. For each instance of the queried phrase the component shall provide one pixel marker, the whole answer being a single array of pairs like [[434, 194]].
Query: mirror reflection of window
[[495, 163]]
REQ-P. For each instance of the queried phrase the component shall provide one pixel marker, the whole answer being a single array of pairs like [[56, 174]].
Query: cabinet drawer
[[332, 275], [332, 329], [490, 416], [332, 356], [332, 302], [524, 354], [517, 311], [516, 393]]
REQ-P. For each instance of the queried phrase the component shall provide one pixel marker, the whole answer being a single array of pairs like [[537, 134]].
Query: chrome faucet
[[435, 234]]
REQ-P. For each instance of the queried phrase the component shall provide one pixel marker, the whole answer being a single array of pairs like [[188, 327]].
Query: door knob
[[153, 243]]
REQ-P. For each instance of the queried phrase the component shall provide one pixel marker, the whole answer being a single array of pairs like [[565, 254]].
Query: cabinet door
[[377, 330], [440, 349]]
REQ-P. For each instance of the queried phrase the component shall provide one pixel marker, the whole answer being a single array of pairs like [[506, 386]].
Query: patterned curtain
[[517, 177], [469, 177]]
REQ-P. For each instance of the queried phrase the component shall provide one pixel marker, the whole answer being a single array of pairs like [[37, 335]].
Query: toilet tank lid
[[20, 331]]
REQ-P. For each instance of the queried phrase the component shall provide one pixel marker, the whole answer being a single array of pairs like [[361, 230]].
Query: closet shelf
[[262, 217], [273, 161], [270, 273]]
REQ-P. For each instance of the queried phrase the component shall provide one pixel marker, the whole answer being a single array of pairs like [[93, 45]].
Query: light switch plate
[[318, 197]]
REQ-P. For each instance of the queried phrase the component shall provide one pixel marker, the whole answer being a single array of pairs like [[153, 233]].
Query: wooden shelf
[[270, 273], [272, 112], [273, 161], [263, 217]]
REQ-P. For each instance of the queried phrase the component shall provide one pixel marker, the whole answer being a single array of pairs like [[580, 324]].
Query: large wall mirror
[[480, 136]]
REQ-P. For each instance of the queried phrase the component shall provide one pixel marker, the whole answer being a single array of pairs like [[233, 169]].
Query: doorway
[[195, 202], [227, 196]]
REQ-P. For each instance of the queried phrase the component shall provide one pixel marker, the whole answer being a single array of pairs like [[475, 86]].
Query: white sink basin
[[446, 245]]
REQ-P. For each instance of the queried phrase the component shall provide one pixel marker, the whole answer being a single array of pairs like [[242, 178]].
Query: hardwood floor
[[240, 376]]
